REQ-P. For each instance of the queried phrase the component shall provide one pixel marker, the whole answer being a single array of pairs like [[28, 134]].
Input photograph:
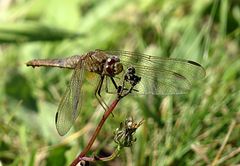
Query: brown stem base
[[90, 143]]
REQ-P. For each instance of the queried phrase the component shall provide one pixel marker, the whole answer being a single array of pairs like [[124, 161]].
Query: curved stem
[[90, 143], [112, 156]]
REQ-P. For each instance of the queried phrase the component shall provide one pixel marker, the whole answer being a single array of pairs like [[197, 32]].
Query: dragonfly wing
[[162, 76], [154, 81], [70, 104]]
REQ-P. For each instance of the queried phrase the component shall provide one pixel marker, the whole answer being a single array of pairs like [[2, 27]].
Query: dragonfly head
[[113, 66]]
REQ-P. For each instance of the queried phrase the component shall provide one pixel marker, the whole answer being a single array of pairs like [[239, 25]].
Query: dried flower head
[[124, 134]]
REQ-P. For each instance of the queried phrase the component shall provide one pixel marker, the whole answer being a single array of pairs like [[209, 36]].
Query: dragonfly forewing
[[71, 102], [162, 76]]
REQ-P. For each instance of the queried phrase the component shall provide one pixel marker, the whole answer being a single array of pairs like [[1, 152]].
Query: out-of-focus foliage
[[199, 128]]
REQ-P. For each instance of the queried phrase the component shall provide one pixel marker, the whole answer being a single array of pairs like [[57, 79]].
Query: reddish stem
[[90, 143]]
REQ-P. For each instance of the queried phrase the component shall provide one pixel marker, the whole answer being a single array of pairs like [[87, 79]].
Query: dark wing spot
[[179, 75], [135, 90], [56, 117], [194, 63]]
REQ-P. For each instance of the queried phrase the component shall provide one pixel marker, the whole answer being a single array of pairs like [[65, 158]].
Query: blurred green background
[[199, 128]]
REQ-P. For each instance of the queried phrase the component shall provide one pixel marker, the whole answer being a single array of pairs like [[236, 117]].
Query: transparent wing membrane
[[160, 75], [71, 102]]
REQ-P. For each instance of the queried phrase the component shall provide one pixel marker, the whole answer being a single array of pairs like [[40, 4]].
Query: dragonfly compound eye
[[113, 66], [112, 60], [118, 68]]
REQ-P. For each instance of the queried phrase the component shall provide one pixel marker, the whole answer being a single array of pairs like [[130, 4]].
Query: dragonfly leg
[[114, 83], [98, 94], [117, 87]]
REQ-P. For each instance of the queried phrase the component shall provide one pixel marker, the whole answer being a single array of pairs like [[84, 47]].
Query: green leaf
[[31, 31]]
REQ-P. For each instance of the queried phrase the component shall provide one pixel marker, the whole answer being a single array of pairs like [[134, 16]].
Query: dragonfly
[[159, 76]]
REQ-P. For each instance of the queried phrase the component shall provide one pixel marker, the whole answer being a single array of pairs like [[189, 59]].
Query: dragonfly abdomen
[[69, 62]]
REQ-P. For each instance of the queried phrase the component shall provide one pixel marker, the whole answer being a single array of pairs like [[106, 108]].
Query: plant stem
[[90, 143], [112, 156]]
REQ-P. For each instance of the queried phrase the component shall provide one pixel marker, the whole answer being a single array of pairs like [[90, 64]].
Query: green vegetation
[[199, 128]]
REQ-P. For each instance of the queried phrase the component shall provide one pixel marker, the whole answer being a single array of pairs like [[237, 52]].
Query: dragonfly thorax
[[113, 66]]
